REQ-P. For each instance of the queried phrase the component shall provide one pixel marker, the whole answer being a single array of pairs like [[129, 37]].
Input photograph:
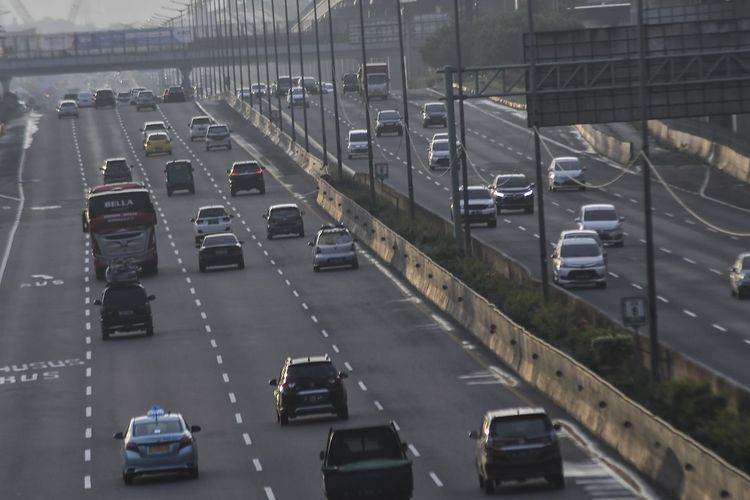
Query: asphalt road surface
[[221, 335]]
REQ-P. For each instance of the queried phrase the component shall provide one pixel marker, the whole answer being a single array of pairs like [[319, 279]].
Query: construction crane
[[22, 12], [75, 7]]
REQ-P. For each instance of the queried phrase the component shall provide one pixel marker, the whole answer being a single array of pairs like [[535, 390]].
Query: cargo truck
[[378, 81]]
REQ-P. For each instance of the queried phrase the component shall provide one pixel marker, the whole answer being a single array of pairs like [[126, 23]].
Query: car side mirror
[[557, 426], [404, 447], [473, 435], [322, 455], [242, 242], [531, 185], [97, 302], [577, 219], [273, 381], [265, 216], [343, 374], [231, 216], [118, 435], [302, 212], [195, 428], [192, 220], [151, 297], [229, 171], [310, 243]]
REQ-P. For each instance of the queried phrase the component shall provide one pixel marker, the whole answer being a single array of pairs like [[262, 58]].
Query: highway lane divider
[[670, 458]]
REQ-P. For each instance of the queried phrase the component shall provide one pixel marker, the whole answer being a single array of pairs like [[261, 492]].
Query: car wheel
[[105, 333], [232, 192], [355, 264], [620, 244], [283, 419], [316, 268], [192, 190], [582, 188], [208, 149], [99, 273], [489, 486], [492, 223], [194, 473], [269, 236], [241, 264], [169, 192], [127, 478], [528, 210], [558, 481], [603, 284], [301, 234], [229, 147], [150, 330]]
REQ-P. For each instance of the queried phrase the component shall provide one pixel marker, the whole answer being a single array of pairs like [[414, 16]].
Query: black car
[[308, 386], [284, 219], [125, 307], [310, 84], [174, 93], [103, 98], [349, 83], [434, 113], [388, 121], [513, 191], [517, 444], [179, 175], [283, 84], [116, 170], [220, 250], [246, 175]]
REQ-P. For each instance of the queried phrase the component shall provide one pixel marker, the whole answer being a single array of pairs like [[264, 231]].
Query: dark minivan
[[349, 83], [104, 97], [179, 175], [125, 307], [284, 219]]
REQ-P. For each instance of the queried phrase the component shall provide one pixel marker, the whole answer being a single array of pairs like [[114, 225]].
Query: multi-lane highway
[[221, 335], [697, 315]]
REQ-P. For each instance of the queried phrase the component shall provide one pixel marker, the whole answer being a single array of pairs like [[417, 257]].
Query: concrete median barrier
[[607, 145]]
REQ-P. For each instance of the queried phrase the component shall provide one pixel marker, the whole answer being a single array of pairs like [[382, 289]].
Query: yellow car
[[157, 142]]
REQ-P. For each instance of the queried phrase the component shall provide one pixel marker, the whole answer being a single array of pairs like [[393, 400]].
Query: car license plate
[[126, 313], [314, 398], [221, 251], [158, 449], [213, 222]]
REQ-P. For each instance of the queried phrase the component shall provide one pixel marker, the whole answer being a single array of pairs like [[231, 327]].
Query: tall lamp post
[[320, 83], [340, 165], [367, 102], [409, 179], [289, 61], [302, 75]]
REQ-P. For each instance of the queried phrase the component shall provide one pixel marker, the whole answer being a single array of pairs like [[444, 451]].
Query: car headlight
[[529, 192], [499, 195], [741, 276], [491, 205]]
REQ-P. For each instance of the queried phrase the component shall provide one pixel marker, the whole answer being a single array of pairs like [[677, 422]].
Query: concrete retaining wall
[[717, 155], [672, 459], [675, 461], [606, 145]]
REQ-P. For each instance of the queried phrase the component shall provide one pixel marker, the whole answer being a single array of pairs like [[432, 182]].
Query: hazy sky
[[100, 12]]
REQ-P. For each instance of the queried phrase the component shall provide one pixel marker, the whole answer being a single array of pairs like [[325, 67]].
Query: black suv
[[517, 444], [179, 176], [174, 94], [388, 121], [349, 83], [116, 170], [513, 191], [309, 386], [104, 97], [246, 175], [125, 307], [434, 113], [284, 219]]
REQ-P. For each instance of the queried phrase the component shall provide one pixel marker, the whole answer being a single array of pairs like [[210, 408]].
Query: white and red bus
[[122, 223]]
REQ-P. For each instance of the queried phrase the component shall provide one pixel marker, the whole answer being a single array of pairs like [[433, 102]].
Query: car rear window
[[161, 426], [599, 215], [220, 240], [434, 108], [440, 146], [389, 115], [348, 447], [478, 194], [358, 137], [283, 213], [567, 165], [124, 297], [245, 168], [117, 166], [157, 137], [217, 130], [334, 238], [311, 371], [524, 426], [211, 212], [201, 121], [591, 250]]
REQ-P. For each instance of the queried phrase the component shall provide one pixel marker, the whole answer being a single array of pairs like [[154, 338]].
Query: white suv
[[218, 136], [151, 127], [356, 143], [198, 126], [211, 219]]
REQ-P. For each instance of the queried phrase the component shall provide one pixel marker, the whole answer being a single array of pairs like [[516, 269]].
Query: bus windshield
[[119, 203]]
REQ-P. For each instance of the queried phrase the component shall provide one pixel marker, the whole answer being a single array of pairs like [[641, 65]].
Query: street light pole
[[335, 95], [247, 52], [257, 59], [302, 75], [320, 83], [276, 53], [462, 151], [367, 102], [405, 104], [289, 61]]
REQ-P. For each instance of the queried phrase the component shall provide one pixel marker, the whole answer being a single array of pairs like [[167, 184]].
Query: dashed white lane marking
[[413, 450], [246, 438], [88, 390], [747, 341], [198, 302], [294, 292], [436, 480], [443, 323], [232, 398], [208, 328], [225, 377], [335, 348], [690, 313], [87, 433], [663, 299], [87, 455], [269, 493], [238, 418], [711, 269], [348, 366], [219, 359], [719, 327], [314, 318], [614, 275], [665, 250], [362, 386], [88, 412], [203, 315], [86, 482], [636, 286], [256, 464], [88, 372], [689, 261], [213, 344], [305, 307]]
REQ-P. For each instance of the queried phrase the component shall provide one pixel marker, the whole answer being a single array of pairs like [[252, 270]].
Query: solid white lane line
[[436, 480], [246, 438], [269, 493]]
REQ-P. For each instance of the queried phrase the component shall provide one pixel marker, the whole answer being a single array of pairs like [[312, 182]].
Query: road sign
[[634, 311], [381, 170]]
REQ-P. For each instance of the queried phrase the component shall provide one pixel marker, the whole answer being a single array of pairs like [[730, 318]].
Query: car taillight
[[259, 171], [131, 446], [233, 174], [186, 441], [286, 386], [152, 239], [225, 219]]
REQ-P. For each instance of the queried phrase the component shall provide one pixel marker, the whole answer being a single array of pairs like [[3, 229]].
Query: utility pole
[[367, 103], [335, 95], [405, 104], [320, 83]]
